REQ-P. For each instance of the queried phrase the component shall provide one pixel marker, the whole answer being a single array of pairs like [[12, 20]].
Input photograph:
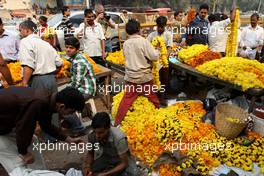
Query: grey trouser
[[48, 83], [45, 82]]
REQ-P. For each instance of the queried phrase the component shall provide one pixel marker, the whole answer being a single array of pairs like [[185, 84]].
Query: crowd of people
[[38, 100], [214, 29]]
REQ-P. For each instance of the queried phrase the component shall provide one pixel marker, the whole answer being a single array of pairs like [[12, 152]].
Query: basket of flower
[[230, 120]]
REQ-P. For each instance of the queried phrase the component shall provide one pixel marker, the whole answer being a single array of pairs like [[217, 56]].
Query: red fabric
[[43, 29], [132, 91]]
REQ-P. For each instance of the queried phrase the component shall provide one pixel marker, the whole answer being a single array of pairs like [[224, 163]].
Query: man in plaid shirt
[[83, 77]]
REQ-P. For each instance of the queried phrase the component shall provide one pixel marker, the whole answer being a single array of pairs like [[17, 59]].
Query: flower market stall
[[219, 75], [63, 75], [179, 127], [177, 140]]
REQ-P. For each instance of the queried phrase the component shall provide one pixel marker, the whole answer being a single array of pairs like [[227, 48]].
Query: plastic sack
[[224, 169], [74, 172], [22, 171]]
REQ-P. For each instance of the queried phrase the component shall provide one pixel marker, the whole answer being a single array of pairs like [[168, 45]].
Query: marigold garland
[[155, 74], [232, 41], [159, 42]]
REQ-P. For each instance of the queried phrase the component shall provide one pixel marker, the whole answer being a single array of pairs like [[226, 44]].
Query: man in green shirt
[[82, 74], [82, 78]]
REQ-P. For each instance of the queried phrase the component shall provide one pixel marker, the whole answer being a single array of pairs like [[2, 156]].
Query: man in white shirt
[[38, 59], [92, 36], [9, 44], [252, 38], [107, 24], [218, 33], [168, 38], [161, 31]]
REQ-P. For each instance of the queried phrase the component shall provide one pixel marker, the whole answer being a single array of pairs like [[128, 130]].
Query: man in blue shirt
[[197, 31]]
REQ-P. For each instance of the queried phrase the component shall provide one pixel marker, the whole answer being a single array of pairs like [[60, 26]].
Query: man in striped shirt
[[66, 25]]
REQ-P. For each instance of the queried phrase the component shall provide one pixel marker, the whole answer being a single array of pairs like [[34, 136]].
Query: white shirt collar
[[215, 22], [251, 28], [32, 36], [95, 24]]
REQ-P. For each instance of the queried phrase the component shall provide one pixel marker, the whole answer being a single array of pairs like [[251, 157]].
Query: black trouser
[[164, 77], [99, 60]]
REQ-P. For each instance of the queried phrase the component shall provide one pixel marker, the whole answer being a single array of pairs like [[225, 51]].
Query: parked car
[[77, 17]]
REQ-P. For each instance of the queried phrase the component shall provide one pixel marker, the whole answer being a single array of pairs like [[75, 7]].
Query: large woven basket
[[227, 128]]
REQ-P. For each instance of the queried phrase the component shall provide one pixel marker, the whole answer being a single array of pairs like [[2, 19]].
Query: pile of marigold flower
[[243, 72], [96, 68], [204, 57], [185, 55], [116, 57], [64, 71], [150, 131], [16, 71]]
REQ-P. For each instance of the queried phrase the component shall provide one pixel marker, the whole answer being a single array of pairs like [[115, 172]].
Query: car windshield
[[55, 20]]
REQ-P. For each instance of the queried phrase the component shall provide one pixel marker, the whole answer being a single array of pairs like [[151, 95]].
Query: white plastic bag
[[22, 171], [74, 172], [224, 169]]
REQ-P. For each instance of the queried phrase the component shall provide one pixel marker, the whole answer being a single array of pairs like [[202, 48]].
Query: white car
[[77, 17]]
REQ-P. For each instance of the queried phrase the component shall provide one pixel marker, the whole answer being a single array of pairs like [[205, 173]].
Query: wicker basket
[[227, 128], [258, 125]]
